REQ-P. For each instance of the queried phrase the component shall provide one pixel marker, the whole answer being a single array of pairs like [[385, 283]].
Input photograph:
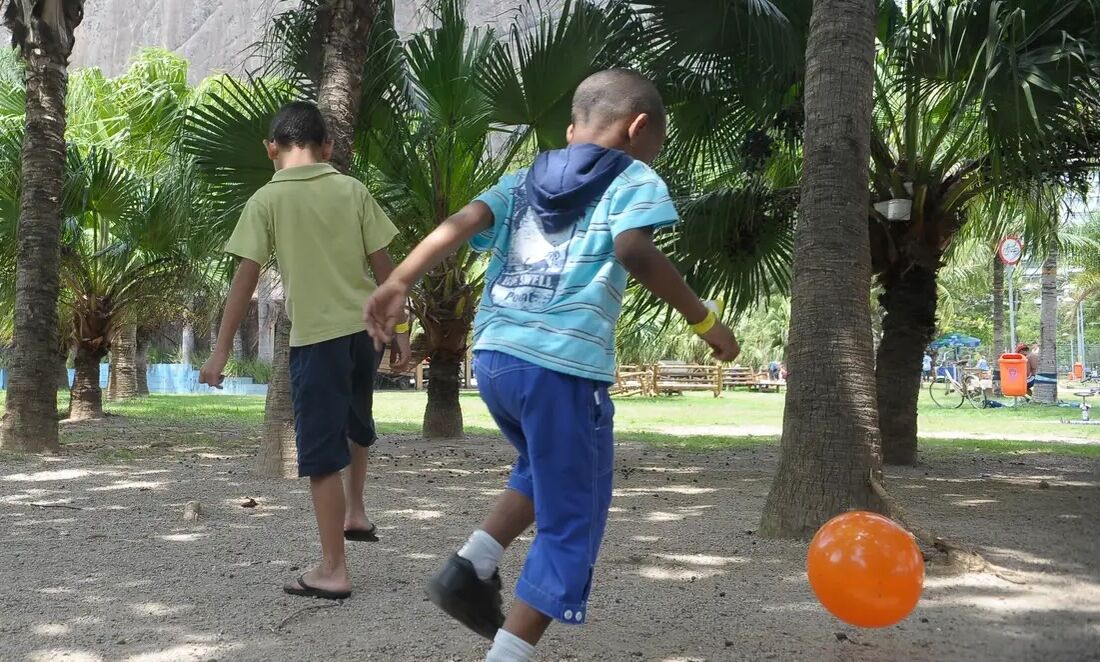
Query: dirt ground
[[118, 574]]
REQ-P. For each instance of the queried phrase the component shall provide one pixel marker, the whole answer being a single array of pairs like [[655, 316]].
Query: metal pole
[[1012, 305], [1081, 333]]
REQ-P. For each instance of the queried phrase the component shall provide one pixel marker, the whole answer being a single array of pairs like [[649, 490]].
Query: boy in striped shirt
[[563, 236]]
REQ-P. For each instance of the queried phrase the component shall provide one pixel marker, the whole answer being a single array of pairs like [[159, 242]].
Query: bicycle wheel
[[946, 394], [974, 393]]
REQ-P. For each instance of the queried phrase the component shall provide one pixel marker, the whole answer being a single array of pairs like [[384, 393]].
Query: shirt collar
[[301, 173]]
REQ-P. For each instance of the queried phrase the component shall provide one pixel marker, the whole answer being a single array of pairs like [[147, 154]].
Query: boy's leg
[[321, 389], [468, 586], [361, 435], [512, 514], [355, 518], [568, 425], [328, 507]]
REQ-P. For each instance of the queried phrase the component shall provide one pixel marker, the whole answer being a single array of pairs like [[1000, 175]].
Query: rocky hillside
[[214, 35]]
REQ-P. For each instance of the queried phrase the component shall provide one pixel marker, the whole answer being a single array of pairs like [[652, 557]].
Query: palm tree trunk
[[443, 413], [45, 41], [265, 319], [998, 322], [123, 384], [909, 303], [238, 344], [1047, 391], [345, 54], [187, 343], [830, 433], [277, 456], [86, 397], [141, 365]]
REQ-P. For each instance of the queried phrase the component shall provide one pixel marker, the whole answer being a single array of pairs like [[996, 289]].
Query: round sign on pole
[[1010, 250]]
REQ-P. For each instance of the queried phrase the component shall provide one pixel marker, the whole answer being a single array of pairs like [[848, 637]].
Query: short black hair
[[614, 94], [299, 124]]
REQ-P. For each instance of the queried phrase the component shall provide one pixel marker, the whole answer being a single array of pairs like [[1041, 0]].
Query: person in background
[[1032, 365], [926, 367], [773, 371]]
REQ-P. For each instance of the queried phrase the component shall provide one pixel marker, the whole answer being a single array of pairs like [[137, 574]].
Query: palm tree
[[42, 30], [830, 436], [974, 100], [442, 117], [124, 255], [1047, 391]]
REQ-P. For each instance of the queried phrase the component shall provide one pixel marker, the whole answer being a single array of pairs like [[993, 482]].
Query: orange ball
[[865, 569]]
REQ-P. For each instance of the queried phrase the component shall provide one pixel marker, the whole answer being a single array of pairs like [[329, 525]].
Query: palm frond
[[225, 130]]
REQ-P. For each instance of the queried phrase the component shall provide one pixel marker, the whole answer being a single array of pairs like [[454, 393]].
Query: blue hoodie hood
[[562, 183]]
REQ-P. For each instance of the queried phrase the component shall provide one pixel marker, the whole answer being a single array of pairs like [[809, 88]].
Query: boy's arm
[[652, 268], [386, 307], [381, 265], [236, 307]]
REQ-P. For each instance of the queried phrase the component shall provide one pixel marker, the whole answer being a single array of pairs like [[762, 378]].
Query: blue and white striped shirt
[[553, 299]]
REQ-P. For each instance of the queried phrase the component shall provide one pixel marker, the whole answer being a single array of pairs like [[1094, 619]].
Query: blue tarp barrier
[[174, 379]]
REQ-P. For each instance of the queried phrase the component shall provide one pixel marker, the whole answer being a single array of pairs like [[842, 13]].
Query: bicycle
[[950, 393]]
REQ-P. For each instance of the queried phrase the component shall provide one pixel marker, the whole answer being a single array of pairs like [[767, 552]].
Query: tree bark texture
[[43, 31], [144, 339], [345, 49], [999, 345], [908, 326], [443, 414], [187, 343], [1046, 390], [266, 315], [277, 456], [123, 384], [86, 396], [830, 434]]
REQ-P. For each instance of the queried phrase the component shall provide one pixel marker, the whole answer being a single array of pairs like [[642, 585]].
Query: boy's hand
[[400, 353], [212, 371], [384, 310], [722, 342]]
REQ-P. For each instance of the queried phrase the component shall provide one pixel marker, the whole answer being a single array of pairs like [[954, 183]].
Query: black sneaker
[[474, 602]]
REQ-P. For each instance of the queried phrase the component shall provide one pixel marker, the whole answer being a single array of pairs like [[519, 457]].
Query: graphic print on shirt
[[536, 260]]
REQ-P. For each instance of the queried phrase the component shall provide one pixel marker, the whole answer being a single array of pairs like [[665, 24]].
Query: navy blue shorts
[[561, 427], [332, 385]]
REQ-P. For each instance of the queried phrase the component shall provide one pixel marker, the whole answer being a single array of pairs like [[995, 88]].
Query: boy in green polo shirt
[[324, 230]]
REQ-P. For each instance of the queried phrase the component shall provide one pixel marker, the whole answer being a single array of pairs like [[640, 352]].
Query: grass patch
[[1010, 447], [694, 422]]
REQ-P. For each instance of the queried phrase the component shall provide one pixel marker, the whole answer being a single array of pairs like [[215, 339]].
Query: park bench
[[674, 378], [631, 380], [737, 377]]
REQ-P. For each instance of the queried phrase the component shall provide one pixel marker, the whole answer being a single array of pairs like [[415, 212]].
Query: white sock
[[484, 552], [507, 647]]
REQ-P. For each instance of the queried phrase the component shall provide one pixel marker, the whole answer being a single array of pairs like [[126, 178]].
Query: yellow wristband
[[706, 325], [401, 328]]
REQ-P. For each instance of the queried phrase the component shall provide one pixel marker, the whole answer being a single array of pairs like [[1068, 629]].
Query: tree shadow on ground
[[104, 567]]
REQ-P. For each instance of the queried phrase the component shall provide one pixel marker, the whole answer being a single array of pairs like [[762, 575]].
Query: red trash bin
[[1014, 375], [1079, 371]]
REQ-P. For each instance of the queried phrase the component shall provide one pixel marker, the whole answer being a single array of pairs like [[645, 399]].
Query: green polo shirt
[[320, 226]]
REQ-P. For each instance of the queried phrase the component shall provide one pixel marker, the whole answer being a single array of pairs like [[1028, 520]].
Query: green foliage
[[258, 371], [762, 333]]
